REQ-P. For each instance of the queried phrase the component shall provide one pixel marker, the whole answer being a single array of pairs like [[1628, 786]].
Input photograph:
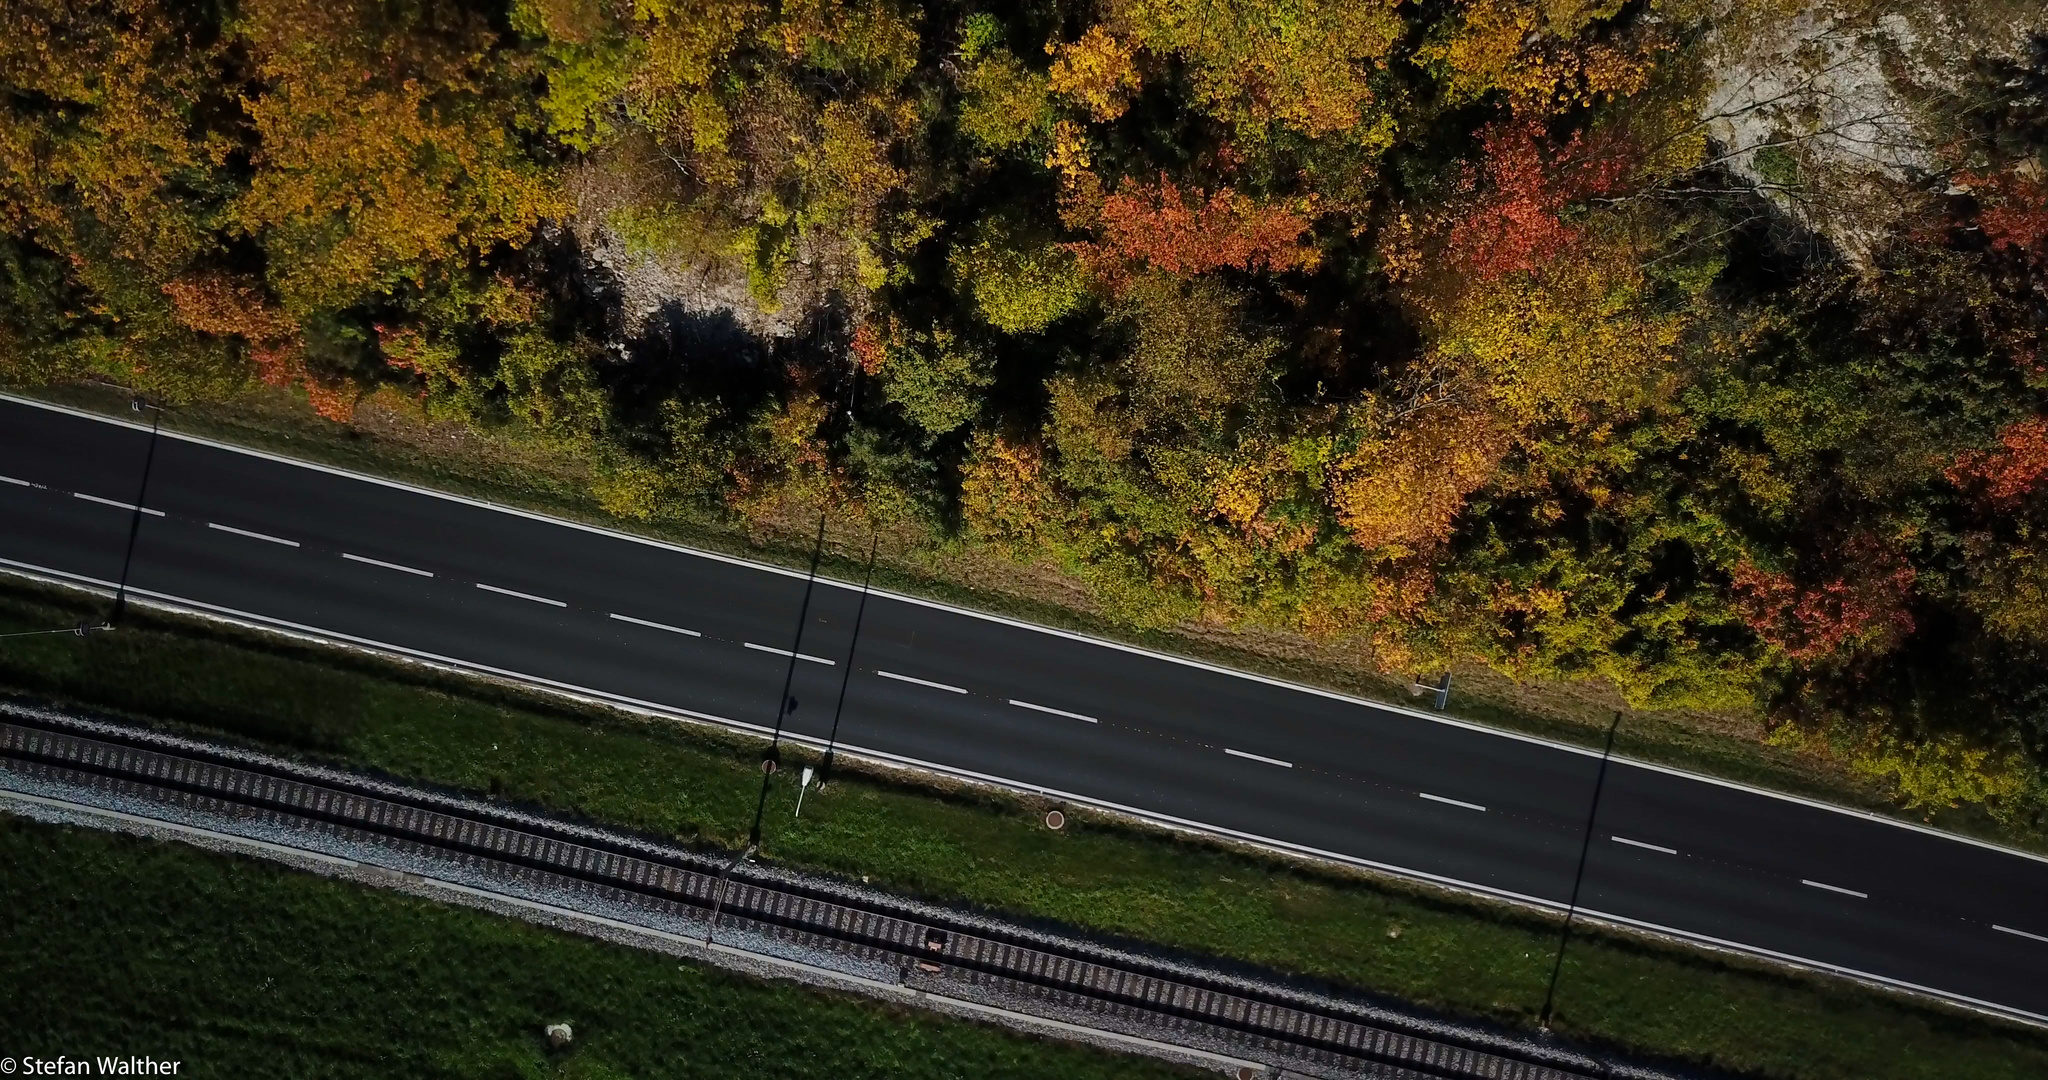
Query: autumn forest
[[1696, 346]]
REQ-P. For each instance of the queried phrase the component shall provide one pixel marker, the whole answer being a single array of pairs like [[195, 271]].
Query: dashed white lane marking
[[252, 535], [676, 711], [2017, 933], [920, 682], [1055, 712], [1645, 847], [786, 652], [19, 483], [655, 625], [1259, 757], [1835, 888], [1452, 802], [115, 502], [386, 565], [520, 595]]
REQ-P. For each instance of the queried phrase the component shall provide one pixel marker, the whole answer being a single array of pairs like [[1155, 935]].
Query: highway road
[[652, 625]]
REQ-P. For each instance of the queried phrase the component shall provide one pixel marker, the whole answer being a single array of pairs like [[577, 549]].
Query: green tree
[[936, 379], [1019, 284], [1004, 104]]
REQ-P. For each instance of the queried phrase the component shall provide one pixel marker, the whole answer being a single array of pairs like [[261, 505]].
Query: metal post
[[783, 707], [846, 673], [1585, 847], [135, 518], [718, 906]]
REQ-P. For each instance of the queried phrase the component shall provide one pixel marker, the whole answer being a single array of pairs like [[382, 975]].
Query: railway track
[[968, 959]]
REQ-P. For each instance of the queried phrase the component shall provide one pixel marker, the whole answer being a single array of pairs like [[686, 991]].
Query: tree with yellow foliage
[[1308, 66], [348, 89]]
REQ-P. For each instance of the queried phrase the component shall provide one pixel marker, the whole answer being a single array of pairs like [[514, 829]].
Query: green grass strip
[[122, 946], [989, 850], [511, 467]]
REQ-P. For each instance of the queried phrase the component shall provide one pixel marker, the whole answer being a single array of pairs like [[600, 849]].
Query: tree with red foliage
[[2009, 473], [870, 347], [1867, 597], [1185, 234], [1516, 225], [2013, 211], [225, 305]]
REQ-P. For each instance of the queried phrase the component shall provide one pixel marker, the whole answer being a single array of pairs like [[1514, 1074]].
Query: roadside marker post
[[1442, 690]]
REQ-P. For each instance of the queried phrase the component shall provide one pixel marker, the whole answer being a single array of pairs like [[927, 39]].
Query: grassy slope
[[388, 440], [117, 945], [989, 850]]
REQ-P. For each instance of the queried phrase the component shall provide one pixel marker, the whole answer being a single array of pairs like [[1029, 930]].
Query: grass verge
[[978, 848], [237, 967], [389, 439]]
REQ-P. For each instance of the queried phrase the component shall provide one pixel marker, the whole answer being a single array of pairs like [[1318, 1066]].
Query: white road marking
[[114, 502], [1104, 643], [1452, 802], [520, 595], [653, 708], [1055, 712], [1835, 888], [786, 652], [920, 682], [1646, 847], [251, 535], [2017, 933], [655, 625], [18, 483], [386, 565], [1259, 757]]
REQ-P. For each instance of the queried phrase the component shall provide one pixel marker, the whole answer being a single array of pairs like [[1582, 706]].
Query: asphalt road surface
[[654, 625]]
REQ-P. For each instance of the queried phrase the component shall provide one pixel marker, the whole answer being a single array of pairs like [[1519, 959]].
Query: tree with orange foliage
[[383, 152], [1866, 598], [2014, 209], [1402, 488], [1515, 223], [233, 306], [2008, 474], [1184, 233]]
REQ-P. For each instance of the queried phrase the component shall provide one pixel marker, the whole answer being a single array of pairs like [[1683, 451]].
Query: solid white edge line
[[654, 625], [920, 682], [252, 535], [130, 507], [940, 605], [19, 483], [386, 565], [786, 652], [1835, 889], [675, 712], [2018, 933], [693, 944], [1055, 712], [1452, 802], [521, 595], [1259, 757], [1646, 847], [1993, 1008]]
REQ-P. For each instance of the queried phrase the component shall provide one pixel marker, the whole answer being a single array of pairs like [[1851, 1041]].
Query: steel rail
[[1114, 990]]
